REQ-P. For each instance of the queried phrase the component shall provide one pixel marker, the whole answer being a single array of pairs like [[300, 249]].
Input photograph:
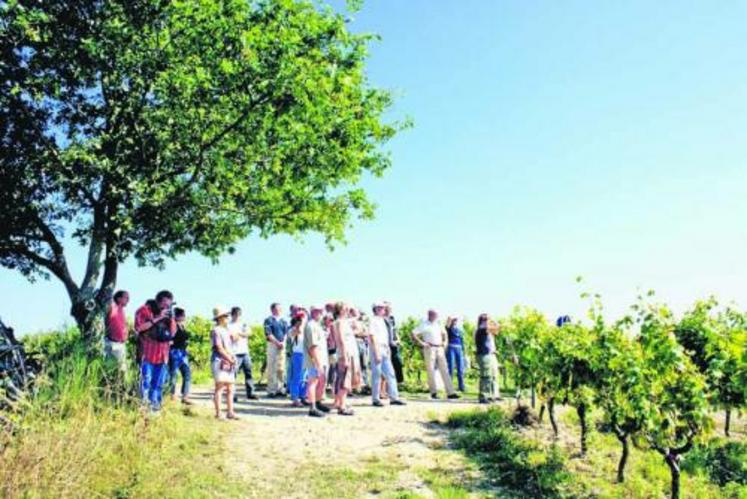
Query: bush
[[520, 468], [723, 461]]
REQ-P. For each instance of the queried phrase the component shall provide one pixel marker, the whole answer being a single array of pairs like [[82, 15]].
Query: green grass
[[529, 463], [81, 437]]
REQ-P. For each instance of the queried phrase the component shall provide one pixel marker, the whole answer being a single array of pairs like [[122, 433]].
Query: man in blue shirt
[[276, 328]]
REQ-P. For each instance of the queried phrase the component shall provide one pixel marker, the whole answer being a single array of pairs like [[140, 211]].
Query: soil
[[273, 441]]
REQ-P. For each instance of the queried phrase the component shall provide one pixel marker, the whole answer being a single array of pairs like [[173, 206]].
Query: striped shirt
[[154, 352]]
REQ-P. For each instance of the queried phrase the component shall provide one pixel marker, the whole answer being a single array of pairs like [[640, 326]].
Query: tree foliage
[[150, 128]]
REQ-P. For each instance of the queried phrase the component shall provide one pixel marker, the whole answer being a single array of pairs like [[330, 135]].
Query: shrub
[[520, 468], [723, 461]]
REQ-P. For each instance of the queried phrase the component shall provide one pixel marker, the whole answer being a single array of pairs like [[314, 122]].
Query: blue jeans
[[179, 361], [383, 367], [455, 358], [152, 378], [296, 380]]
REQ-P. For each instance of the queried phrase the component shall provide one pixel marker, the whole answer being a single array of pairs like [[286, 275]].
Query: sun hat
[[316, 307], [220, 311]]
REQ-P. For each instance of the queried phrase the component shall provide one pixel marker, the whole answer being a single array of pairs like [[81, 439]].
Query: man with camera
[[155, 326]]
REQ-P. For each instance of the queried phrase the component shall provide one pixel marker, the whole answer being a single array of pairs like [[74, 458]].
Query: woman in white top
[[346, 350], [223, 362]]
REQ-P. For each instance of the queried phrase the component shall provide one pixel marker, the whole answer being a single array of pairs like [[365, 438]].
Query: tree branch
[[58, 266], [60, 271]]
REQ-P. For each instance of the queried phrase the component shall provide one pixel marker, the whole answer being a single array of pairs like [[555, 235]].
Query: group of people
[[325, 346], [162, 342], [326, 349]]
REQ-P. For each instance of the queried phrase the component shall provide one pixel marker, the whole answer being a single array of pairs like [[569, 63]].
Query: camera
[[170, 311]]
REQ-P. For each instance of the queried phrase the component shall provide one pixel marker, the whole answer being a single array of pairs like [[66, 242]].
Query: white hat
[[316, 306], [379, 304], [219, 311]]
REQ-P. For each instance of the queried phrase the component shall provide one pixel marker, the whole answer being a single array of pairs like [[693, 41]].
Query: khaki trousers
[[275, 368], [435, 358]]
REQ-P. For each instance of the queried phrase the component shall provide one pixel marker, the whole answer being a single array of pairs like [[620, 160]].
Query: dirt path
[[386, 451]]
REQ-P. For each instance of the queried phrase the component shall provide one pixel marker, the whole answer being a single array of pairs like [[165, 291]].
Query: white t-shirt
[[241, 344], [297, 342], [379, 332], [431, 332]]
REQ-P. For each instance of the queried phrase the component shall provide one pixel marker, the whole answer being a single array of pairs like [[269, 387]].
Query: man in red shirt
[[115, 341], [155, 327]]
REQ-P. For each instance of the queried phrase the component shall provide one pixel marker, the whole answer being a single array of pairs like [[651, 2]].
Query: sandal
[[345, 412], [232, 416]]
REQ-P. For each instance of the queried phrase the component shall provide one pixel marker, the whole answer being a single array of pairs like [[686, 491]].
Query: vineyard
[[655, 381], [652, 380]]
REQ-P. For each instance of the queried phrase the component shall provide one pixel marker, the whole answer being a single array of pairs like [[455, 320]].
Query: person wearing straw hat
[[223, 361]]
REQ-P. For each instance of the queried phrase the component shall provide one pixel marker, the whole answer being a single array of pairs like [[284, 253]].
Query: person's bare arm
[[416, 336], [314, 354], [374, 347], [228, 357]]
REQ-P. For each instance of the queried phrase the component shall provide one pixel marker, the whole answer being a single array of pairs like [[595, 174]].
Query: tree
[[715, 342], [523, 333], [678, 406], [150, 128], [621, 389], [569, 361]]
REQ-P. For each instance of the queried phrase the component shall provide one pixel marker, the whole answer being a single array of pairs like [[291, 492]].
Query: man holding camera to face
[[155, 326]]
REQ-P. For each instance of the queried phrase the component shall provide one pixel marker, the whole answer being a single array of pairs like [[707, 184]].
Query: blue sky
[[551, 139]]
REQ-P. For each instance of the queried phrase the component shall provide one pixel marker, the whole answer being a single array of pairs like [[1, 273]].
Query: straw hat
[[220, 311]]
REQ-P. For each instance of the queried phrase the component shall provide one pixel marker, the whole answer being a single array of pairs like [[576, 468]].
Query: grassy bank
[[528, 463], [80, 437]]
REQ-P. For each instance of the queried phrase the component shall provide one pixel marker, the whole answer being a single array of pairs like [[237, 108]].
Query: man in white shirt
[[431, 335], [240, 332], [381, 358]]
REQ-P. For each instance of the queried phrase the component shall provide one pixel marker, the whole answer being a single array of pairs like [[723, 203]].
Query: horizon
[[549, 141]]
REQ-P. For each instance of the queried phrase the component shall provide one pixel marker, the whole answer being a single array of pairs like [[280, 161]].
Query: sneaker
[[377, 403], [397, 402], [315, 413], [434, 396], [455, 396], [305, 402], [322, 407], [483, 401], [252, 397]]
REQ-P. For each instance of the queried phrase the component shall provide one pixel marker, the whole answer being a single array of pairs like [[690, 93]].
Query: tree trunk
[[727, 422], [88, 311], [672, 461], [623, 438], [551, 415], [534, 397], [542, 412], [581, 411]]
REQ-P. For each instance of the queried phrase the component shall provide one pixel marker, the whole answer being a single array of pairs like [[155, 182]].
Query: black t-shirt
[[181, 338]]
